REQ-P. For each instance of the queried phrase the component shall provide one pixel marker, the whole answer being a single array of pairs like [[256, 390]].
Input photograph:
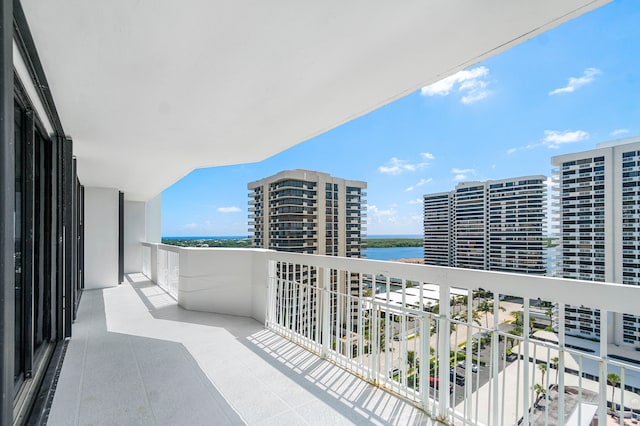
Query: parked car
[[457, 378], [434, 382], [474, 367]]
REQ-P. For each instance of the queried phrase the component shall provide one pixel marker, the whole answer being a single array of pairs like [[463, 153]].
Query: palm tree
[[475, 316], [539, 390], [543, 369], [486, 307], [613, 380], [519, 322]]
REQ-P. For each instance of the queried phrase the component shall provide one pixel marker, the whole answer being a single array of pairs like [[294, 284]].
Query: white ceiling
[[152, 89]]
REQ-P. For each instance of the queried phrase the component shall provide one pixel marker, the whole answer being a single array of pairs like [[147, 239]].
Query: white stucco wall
[[154, 219], [134, 235], [216, 280], [101, 237]]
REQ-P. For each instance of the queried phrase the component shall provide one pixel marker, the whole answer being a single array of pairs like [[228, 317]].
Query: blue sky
[[564, 91]]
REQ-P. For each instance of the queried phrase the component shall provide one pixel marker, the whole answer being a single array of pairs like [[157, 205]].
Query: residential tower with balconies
[[494, 225], [598, 200]]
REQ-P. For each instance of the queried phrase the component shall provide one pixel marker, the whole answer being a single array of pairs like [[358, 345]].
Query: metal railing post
[[444, 349], [153, 262], [560, 365], [425, 356], [375, 342], [495, 367], [526, 392], [602, 406], [325, 312]]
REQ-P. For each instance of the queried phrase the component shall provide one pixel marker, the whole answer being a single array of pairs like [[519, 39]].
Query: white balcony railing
[[404, 327]]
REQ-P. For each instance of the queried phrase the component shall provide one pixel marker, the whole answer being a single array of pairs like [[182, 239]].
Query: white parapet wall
[[224, 281], [220, 283]]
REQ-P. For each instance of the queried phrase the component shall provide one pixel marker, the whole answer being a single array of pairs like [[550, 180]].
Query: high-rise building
[[437, 228], [308, 212], [599, 216], [494, 225]]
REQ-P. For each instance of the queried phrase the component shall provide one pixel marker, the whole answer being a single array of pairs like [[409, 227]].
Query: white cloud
[[416, 201], [459, 177], [553, 138], [576, 82], [471, 84], [232, 209], [428, 156], [190, 226], [618, 132], [419, 184], [396, 166], [476, 91], [462, 171], [375, 215]]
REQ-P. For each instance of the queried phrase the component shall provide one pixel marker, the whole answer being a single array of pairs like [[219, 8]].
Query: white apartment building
[[599, 212], [494, 225], [310, 212], [437, 228]]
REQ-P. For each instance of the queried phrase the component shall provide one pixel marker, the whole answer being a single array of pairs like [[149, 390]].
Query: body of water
[[389, 253]]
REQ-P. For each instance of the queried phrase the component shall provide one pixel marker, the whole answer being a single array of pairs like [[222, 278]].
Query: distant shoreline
[[394, 242]]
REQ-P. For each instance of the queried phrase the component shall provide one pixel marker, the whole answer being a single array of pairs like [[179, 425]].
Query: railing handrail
[[599, 295]]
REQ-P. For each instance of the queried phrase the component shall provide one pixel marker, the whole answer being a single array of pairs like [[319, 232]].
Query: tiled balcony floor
[[138, 358]]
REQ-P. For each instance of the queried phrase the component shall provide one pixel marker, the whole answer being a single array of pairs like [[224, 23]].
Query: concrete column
[[134, 234], [101, 237]]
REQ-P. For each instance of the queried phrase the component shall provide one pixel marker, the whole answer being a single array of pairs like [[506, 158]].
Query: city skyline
[[565, 91]]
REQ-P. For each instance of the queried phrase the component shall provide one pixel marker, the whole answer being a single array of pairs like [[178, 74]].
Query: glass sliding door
[[41, 242], [20, 118], [34, 244]]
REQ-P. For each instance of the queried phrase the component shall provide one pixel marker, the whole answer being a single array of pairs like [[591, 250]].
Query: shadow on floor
[[347, 394], [114, 378]]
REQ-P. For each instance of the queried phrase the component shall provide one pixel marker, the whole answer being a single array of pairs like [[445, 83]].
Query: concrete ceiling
[[150, 90]]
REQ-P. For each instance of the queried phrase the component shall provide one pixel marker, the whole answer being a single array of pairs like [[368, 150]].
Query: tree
[[540, 391], [543, 369], [549, 313], [475, 316], [613, 380], [518, 317], [555, 363], [458, 302], [486, 307]]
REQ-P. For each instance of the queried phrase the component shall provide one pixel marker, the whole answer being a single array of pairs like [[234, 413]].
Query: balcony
[[139, 358], [291, 328]]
